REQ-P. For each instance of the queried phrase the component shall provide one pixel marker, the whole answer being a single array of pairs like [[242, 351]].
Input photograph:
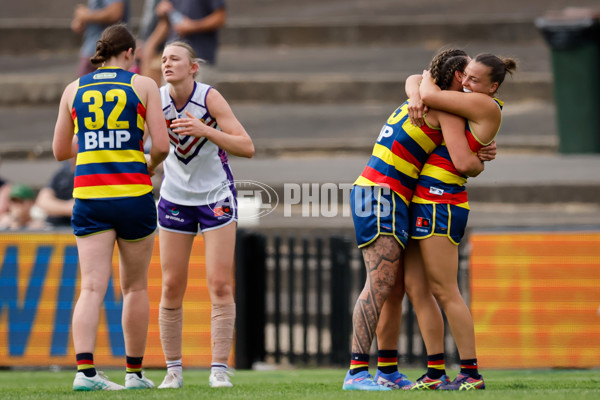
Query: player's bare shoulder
[[144, 85]]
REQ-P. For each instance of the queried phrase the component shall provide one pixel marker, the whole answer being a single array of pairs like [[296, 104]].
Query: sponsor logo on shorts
[[174, 213], [221, 211], [424, 222], [436, 191], [167, 216]]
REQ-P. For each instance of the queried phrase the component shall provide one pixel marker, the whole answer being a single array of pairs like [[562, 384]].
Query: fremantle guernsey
[[109, 122], [440, 182], [197, 171]]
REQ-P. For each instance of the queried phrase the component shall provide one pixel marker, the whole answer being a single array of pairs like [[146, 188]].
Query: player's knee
[[412, 293], [134, 287], [220, 288], [442, 294], [172, 289], [397, 293], [416, 289]]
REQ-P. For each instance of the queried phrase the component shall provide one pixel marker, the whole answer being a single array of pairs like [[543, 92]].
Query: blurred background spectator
[[196, 22], [90, 21], [56, 200], [19, 216], [148, 19], [4, 195], [150, 46]]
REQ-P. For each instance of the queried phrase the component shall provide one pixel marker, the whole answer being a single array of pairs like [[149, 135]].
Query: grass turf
[[305, 384]]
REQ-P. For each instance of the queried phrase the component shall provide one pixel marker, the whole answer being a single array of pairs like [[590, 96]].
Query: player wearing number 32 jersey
[[101, 120], [109, 123]]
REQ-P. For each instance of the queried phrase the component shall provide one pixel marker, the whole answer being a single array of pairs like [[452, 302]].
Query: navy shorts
[[191, 219], [133, 218], [378, 211], [438, 220]]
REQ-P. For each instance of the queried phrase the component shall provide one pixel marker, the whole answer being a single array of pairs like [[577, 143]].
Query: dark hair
[[114, 40], [498, 66], [445, 63]]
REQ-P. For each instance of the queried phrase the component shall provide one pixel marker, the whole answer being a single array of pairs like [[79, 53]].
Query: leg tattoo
[[382, 260]]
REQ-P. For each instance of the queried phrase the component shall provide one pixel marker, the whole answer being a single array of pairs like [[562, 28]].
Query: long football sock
[[134, 365], [469, 367], [85, 364], [359, 363], [436, 367], [387, 361]]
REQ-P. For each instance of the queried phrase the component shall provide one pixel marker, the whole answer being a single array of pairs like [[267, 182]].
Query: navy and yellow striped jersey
[[399, 154], [109, 119], [440, 181]]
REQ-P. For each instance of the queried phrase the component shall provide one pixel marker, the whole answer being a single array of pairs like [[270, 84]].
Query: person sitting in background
[[90, 21], [56, 199], [19, 216]]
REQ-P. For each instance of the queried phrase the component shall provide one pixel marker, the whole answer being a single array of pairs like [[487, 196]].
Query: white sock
[[217, 366], [175, 366]]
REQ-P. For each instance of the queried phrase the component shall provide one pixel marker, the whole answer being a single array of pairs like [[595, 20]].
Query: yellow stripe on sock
[[386, 364]]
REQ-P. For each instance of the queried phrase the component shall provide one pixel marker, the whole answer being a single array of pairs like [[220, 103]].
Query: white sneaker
[[97, 382], [173, 380], [132, 381], [220, 378]]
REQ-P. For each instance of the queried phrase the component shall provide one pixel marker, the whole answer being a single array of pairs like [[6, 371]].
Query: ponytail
[[114, 40], [498, 66]]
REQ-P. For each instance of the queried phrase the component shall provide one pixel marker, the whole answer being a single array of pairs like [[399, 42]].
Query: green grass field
[[321, 384]]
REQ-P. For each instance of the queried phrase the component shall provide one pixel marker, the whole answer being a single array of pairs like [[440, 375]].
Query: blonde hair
[[190, 53]]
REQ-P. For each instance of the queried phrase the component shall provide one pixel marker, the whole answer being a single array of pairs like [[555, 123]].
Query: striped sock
[[436, 367], [469, 367], [134, 365], [387, 361], [175, 366], [359, 363], [216, 366], [85, 364]]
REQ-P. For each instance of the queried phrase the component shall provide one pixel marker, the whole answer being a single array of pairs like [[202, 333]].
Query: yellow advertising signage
[[39, 285], [535, 299]]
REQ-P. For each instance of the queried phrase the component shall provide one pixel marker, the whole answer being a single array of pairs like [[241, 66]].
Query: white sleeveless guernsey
[[197, 171]]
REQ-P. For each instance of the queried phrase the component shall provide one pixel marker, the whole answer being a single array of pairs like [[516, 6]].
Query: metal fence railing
[[295, 297]]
